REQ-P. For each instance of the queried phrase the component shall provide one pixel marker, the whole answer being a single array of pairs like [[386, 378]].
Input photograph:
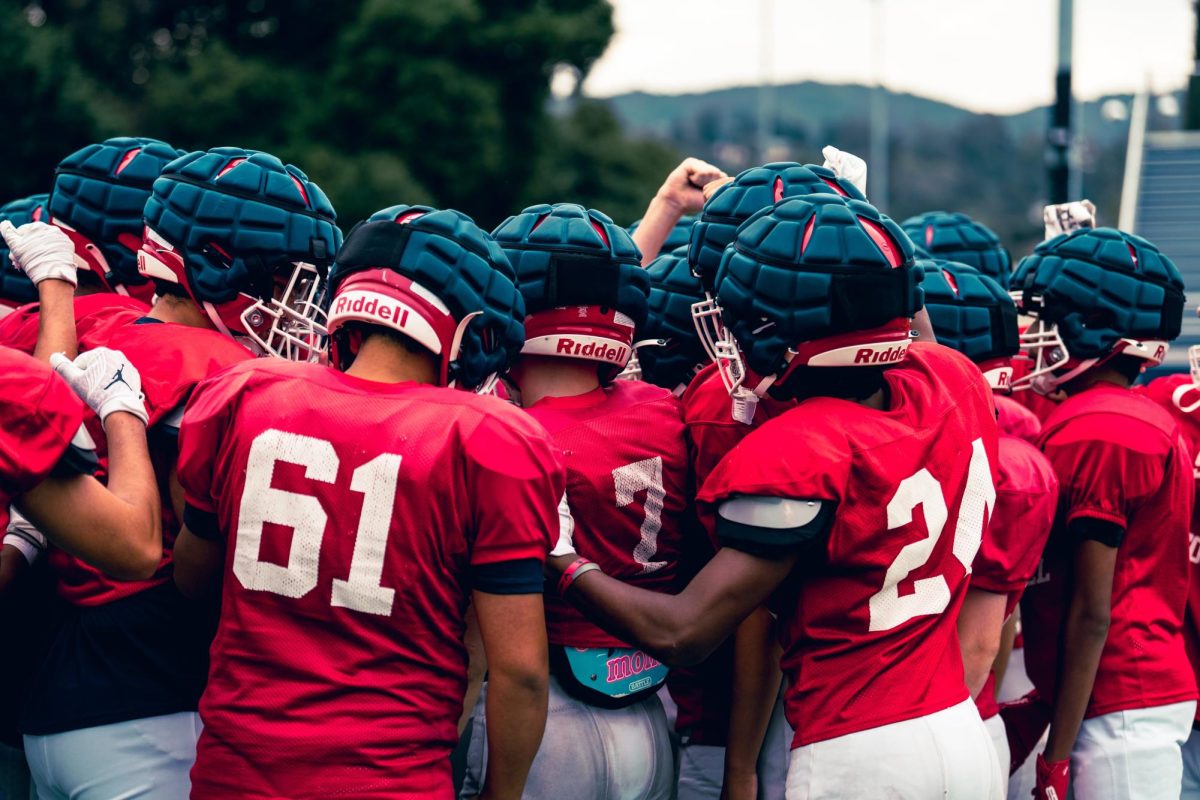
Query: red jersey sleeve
[[1026, 501], [516, 481], [206, 422], [1103, 479]]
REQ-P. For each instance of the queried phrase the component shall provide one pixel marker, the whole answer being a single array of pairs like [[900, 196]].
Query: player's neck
[[878, 400], [181, 311], [1094, 376], [539, 377], [385, 361]]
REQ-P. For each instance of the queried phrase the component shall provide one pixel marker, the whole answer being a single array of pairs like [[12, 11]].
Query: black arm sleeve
[[521, 576], [202, 523], [76, 461], [1104, 531]]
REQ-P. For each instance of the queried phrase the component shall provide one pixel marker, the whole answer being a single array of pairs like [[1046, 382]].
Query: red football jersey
[[870, 638], [1119, 457], [96, 316], [1026, 500], [627, 486], [1041, 406], [1016, 420], [171, 359], [354, 512], [39, 415], [702, 692], [1176, 393]]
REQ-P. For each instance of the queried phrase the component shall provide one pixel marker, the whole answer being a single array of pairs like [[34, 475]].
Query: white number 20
[[262, 503], [932, 595]]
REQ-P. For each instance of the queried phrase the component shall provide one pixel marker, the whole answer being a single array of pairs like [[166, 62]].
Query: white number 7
[[931, 595], [645, 475]]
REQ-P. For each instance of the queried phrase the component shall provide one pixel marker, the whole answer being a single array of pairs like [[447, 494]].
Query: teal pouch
[[609, 677]]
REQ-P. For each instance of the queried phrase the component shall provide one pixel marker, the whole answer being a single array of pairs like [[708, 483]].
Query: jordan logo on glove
[[118, 377]]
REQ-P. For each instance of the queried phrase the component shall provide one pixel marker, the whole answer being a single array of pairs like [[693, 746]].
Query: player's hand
[[1066, 217], [846, 166], [566, 530], [1025, 720], [1052, 779], [41, 251], [105, 380], [684, 187]]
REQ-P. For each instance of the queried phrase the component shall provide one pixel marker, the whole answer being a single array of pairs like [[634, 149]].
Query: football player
[[1102, 619], [16, 289], [348, 533], [973, 315], [1179, 394], [627, 492], [957, 237], [668, 349], [233, 240], [865, 503], [97, 199]]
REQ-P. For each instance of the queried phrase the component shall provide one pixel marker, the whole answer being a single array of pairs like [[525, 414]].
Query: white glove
[[566, 530], [846, 166], [1067, 217], [41, 251], [23, 536], [105, 380]]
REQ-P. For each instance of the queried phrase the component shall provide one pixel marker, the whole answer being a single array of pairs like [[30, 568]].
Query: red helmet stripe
[[778, 189], [300, 188], [884, 242], [233, 163], [125, 159], [808, 229], [834, 185]]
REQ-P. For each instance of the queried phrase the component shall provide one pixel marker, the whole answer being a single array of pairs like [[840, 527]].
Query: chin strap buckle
[[745, 403]]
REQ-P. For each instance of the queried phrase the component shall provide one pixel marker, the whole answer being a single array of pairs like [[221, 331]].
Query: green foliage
[[379, 101]]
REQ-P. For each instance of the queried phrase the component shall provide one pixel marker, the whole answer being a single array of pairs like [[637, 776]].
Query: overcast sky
[[986, 55]]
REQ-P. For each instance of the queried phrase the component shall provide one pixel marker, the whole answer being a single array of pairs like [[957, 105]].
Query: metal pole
[[1058, 139], [767, 66], [1191, 120], [877, 166]]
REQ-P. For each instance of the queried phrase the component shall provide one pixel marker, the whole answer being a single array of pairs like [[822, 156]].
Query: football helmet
[[249, 240], [435, 277], [669, 352], [679, 236], [957, 237], [1095, 293], [15, 287], [581, 276], [730, 206], [98, 197], [972, 314], [820, 281]]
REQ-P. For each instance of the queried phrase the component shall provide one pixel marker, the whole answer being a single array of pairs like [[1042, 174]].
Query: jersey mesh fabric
[[702, 692], [1026, 499], [171, 360], [1119, 458], [39, 415], [627, 485], [318, 694], [1163, 391], [96, 316], [856, 654]]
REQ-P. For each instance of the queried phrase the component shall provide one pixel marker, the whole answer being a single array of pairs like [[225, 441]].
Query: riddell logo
[[598, 350], [372, 305], [867, 355]]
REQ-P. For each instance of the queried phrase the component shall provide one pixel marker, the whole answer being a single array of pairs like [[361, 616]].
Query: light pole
[[878, 163], [1058, 138]]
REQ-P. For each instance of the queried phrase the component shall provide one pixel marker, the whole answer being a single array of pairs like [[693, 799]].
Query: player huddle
[[739, 503]]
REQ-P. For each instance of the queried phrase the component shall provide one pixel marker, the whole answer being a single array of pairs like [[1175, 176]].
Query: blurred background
[[489, 105]]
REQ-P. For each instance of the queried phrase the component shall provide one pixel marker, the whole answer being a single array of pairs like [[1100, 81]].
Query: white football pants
[[1132, 755], [947, 754]]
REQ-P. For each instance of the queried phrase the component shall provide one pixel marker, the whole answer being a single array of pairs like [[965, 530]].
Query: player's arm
[[1085, 629], [756, 681], [681, 193], [116, 528], [1008, 637], [513, 629], [762, 538], [476, 667], [979, 625], [46, 255], [198, 564]]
